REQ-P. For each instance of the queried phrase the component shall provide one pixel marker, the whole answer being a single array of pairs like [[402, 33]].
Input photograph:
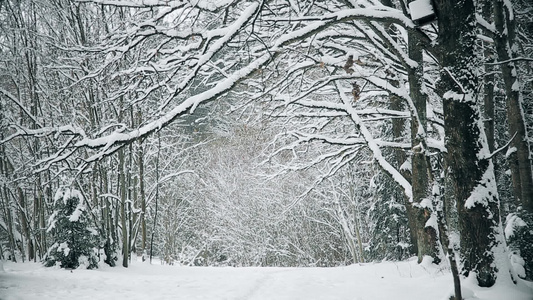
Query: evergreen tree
[[74, 239], [390, 229]]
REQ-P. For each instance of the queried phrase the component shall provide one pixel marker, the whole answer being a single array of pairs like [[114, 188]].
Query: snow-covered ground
[[387, 280]]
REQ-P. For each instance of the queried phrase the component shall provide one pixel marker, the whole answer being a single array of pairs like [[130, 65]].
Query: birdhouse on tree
[[422, 12]]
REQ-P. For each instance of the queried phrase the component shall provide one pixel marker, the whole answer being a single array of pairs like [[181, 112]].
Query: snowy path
[[404, 280]]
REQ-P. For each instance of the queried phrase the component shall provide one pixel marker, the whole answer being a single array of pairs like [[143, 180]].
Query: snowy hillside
[[388, 280]]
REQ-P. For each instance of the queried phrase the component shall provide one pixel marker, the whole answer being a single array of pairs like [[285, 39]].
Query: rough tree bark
[[469, 173], [424, 239], [24, 223], [519, 158], [421, 167], [399, 156], [123, 216], [143, 198], [488, 82]]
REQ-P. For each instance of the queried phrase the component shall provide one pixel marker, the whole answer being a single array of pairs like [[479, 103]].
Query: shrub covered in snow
[[519, 235], [74, 239]]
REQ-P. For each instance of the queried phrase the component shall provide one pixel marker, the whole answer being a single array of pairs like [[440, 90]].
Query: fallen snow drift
[[387, 280]]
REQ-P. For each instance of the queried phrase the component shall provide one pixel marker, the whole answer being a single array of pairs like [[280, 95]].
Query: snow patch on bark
[[407, 165], [432, 222], [513, 222], [426, 203], [510, 151], [461, 97], [484, 191]]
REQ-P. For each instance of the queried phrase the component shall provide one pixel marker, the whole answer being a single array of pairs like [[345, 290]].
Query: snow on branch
[[135, 3], [382, 13], [374, 147], [20, 105], [44, 131], [183, 69]]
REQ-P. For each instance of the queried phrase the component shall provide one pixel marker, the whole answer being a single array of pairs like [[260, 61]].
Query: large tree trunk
[[469, 173], [399, 157], [398, 127], [421, 168], [488, 82], [419, 211]]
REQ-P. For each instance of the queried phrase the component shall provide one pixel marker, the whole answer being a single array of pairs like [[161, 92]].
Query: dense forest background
[[268, 133]]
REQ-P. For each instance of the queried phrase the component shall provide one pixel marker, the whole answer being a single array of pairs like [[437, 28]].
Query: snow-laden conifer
[[74, 239]]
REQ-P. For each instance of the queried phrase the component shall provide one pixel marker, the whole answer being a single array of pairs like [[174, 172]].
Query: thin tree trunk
[[35, 217], [41, 224], [142, 193], [353, 200], [25, 226], [450, 254], [398, 127], [154, 228], [123, 216], [143, 198], [6, 207], [107, 221], [131, 199], [9, 222], [519, 158], [359, 241]]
